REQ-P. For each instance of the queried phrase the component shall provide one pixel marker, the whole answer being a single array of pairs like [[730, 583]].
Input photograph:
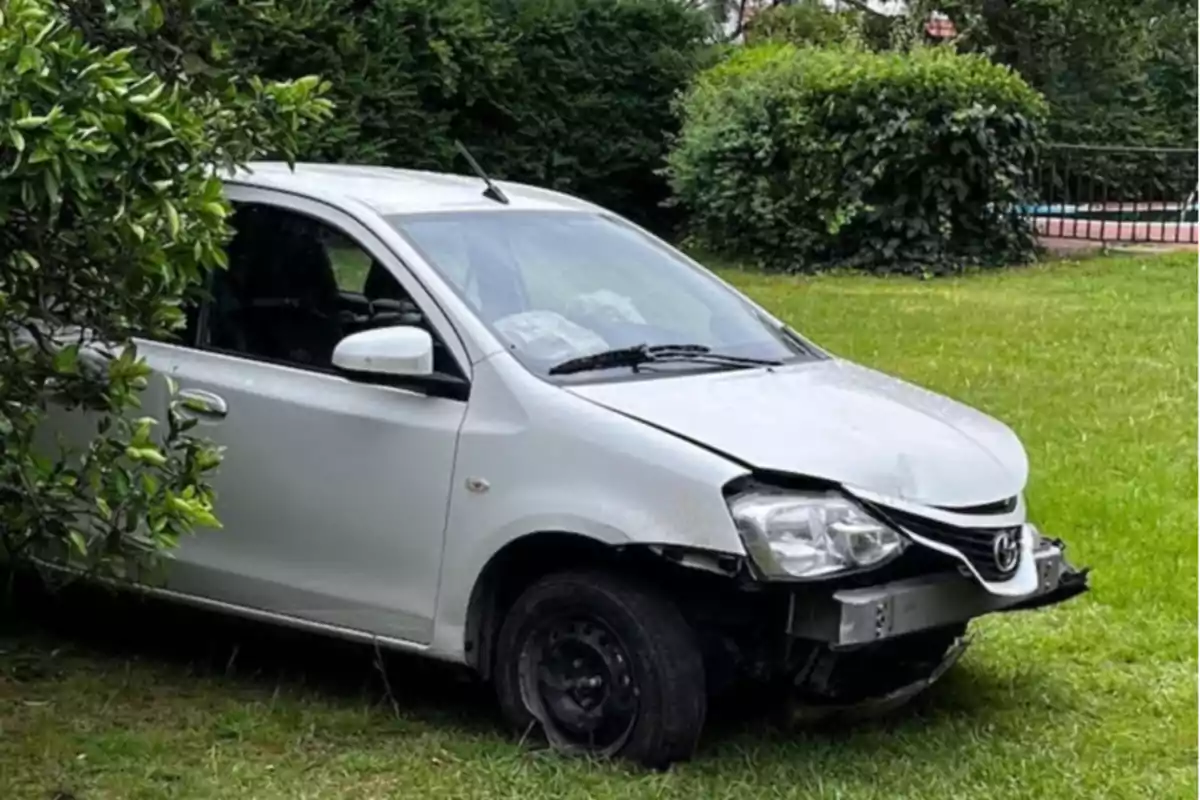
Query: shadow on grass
[[968, 695], [58, 633], [83, 623]]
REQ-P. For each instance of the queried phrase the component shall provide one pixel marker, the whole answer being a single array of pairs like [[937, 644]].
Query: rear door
[[333, 493]]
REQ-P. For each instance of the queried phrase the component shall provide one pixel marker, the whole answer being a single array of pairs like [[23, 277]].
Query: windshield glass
[[558, 285]]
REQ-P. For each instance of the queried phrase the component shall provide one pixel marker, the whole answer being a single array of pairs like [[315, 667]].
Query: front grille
[[977, 544]]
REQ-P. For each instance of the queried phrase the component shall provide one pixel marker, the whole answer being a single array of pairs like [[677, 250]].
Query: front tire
[[604, 667]]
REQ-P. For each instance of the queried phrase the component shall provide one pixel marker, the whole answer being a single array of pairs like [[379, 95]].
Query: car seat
[[281, 296]]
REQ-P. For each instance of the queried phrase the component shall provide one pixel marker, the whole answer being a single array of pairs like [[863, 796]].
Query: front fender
[[554, 462]]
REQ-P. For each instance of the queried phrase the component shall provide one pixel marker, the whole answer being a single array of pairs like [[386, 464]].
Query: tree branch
[[740, 27]]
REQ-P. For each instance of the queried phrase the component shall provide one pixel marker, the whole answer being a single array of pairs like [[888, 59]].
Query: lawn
[[1093, 363]]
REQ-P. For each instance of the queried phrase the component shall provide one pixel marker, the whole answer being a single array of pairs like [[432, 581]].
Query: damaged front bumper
[[807, 713], [911, 630], [855, 617]]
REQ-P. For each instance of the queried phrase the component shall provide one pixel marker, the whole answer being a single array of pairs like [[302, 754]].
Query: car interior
[[281, 298]]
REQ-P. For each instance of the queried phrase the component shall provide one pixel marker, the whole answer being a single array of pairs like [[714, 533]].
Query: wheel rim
[[576, 679]]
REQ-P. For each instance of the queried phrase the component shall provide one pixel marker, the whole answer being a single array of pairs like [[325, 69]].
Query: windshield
[[558, 285]]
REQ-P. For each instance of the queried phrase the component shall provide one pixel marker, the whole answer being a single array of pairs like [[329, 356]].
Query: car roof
[[399, 191]]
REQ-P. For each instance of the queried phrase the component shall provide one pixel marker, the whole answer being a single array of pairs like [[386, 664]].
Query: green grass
[[1093, 363]]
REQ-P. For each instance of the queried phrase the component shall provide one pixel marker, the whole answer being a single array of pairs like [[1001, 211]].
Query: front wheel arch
[[510, 571]]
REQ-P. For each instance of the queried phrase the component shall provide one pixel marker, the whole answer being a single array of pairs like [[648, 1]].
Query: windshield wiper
[[641, 354]]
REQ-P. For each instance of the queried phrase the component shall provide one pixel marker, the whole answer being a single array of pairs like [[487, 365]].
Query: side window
[[351, 264], [296, 286]]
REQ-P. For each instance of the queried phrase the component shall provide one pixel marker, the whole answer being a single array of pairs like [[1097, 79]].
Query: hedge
[[587, 106], [802, 158], [571, 94]]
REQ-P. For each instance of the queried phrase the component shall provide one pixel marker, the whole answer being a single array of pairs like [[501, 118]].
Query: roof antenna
[[492, 192]]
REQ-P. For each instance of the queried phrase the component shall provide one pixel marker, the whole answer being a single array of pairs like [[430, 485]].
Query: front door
[[332, 493]]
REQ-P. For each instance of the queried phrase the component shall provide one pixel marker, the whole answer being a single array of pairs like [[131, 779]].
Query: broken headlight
[[808, 535]]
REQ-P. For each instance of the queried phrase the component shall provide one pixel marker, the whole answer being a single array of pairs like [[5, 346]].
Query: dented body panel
[[836, 420]]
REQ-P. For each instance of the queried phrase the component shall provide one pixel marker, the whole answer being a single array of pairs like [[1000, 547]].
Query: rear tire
[[602, 666]]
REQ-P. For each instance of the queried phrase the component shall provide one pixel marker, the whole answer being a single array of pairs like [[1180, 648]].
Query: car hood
[[834, 420]]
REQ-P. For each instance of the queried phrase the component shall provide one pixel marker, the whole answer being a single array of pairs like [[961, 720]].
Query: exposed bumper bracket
[[854, 617]]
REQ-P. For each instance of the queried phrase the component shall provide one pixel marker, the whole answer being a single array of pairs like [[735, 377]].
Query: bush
[[799, 158], [570, 94], [587, 106], [806, 23], [110, 215], [402, 72]]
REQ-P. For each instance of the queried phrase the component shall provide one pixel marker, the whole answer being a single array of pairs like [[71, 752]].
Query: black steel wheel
[[602, 667], [576, 678]]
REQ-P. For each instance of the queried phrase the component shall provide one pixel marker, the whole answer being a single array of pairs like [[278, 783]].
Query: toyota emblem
[[1006, 551]]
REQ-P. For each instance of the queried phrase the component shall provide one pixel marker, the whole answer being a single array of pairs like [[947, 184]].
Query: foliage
[[795, 158], [571, 94], [1114, 72], [586, 106], [808, 22], [402, 72], [110, 214]]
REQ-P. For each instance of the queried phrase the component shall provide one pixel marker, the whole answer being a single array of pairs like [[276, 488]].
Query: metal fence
[[1116, 194]]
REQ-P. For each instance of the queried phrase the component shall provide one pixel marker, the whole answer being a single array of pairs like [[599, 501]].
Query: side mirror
[[400, 351]]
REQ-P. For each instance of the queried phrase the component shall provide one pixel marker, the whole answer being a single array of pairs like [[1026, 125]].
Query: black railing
[[1116, 194]]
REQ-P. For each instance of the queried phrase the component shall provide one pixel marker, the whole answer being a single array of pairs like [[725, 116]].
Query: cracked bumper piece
[[854, 617], [802, 713]]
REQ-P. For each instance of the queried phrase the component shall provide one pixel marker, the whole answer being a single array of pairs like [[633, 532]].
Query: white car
[[502, 427]]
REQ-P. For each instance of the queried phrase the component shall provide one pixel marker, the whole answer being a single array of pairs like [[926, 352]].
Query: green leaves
[[803, 159], [109, 217], [28, 59], [805, 23], [1120, 73], [593, 78], [173, 224], [30, 122], [78, 542], [158, 119], [66, 360], [148, 455]]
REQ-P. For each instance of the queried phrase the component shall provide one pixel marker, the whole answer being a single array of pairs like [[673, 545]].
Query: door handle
[[205, 403]]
